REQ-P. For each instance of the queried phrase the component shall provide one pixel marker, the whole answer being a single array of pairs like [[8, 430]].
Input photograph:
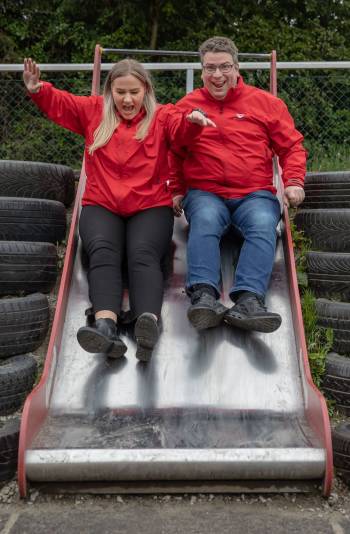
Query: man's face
[[217, 82]]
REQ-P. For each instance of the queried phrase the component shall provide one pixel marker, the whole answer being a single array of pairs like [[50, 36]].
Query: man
[[226, 179]]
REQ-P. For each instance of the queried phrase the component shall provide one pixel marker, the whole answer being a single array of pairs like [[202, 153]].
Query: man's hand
[[197, 117], [177, 205], [293, 196], [31, 76]]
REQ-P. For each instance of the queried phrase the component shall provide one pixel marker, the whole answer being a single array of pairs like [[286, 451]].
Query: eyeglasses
[[224, 68]]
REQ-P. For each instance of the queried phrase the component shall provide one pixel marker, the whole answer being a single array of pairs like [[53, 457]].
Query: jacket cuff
[[38, 95], [297, 182]]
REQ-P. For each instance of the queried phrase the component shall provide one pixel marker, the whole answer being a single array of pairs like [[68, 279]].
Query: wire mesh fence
[[319, 101]]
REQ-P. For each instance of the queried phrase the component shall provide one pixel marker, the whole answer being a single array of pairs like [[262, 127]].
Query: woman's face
[[128, 93]]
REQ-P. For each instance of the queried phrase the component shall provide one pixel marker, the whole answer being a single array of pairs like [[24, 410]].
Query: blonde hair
[[110, 120]]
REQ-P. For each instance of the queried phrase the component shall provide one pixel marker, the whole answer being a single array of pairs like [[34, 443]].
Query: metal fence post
[[189, 80]]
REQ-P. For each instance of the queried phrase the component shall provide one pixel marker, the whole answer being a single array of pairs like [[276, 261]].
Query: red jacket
[[235, 158], [126, 175]]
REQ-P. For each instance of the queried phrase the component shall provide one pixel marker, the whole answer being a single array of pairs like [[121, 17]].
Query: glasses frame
[[224, 68]]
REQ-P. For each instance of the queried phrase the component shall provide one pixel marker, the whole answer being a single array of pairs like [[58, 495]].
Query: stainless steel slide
[[222, 405], [223, 408]]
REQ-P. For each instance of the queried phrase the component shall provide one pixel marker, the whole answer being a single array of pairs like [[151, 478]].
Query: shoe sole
[[95, 342], [146, 334], [265, 324], [203, 318]]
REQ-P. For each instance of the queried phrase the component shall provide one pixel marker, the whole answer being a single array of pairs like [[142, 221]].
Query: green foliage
[[67, 30], [301, 246], [319, 340]]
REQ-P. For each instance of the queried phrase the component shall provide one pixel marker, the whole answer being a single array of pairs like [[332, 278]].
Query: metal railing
[[317, 94]]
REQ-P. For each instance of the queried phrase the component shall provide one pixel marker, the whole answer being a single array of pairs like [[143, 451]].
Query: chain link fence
[[319, 101]]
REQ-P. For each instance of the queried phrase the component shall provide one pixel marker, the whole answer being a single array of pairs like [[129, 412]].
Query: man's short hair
[[219, 44]]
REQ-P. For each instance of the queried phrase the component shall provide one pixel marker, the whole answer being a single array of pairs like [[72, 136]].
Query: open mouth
[[128, 109]]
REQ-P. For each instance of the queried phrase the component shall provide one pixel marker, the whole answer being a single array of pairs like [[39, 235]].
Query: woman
[[126, 208]]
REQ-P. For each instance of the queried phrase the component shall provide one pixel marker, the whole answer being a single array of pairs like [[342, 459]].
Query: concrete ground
[[174, 514]]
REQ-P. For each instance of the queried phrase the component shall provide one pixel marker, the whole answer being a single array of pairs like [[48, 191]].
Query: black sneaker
[[250, 313], [205, 311], [146, 334], [102, 336]]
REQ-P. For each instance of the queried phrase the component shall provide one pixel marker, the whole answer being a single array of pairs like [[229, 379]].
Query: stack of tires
[[32, 223], [325, 218]]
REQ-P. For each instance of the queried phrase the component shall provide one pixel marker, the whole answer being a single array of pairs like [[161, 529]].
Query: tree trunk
[[154, 12]]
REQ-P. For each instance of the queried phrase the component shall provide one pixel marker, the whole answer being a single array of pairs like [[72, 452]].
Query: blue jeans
[[254, 216]]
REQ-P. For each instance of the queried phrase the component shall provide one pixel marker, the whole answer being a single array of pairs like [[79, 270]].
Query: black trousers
[[143, 240]]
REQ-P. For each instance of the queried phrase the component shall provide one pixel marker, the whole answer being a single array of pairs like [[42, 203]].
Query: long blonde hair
[[110, 120]]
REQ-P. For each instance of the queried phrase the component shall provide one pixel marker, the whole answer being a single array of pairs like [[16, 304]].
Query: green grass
[[331, 158]]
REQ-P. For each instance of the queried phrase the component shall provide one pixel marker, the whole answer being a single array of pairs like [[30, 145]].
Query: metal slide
[[222, 410]]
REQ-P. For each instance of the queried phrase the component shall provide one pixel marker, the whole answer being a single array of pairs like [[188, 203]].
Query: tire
[[25, 219], [33, 179], [11, 403], [8, 469], [9, 436], [336, 381], [335, 315], [328, 229], [24, 323], [327, 178], [315, 203], [327, 190], [27, 267], [17, 375], [341, 444]]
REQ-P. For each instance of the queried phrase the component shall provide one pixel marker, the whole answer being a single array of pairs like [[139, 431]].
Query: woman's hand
[[198, 117], [31, 76]]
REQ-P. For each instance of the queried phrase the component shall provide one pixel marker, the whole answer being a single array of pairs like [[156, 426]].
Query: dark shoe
[[146, 334], [205, 311], [102, 336], [250, 313]]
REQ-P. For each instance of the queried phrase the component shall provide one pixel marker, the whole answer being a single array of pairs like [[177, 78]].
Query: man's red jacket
[[126, 175], [235, 158]]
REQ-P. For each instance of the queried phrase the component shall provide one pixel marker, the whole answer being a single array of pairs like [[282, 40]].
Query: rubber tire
[[26, 219], [336, 380], [335, 315], [328, 229], [341, 445], [328, 274], [11, 403], [27, 267], [34, 179], [327, 190], [9, 437], [327, 178], [24, 323], [17, 375], [9, 434], [8, 469]]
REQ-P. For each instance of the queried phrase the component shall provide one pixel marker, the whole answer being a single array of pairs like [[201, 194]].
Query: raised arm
[[62, 107]]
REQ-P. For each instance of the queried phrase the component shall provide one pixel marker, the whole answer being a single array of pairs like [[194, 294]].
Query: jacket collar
[[232, 93], [135, 120]]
